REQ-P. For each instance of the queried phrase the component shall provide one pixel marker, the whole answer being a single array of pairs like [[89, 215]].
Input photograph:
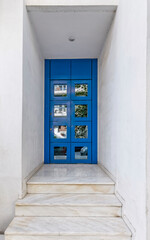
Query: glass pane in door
[[81, 131], [81, 110], [60, 153], [60, 132], [60, 110], [60, 90], [81, 90], [81, 152]]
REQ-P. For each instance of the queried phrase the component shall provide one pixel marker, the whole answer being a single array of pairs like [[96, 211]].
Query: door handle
[[50, 129]]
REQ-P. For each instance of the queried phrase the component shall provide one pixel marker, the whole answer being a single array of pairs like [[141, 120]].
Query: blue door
[[70, 111]]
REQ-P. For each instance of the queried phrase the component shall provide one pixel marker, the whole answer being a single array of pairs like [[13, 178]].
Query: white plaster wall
[[148, 122], [33, 100], [148, 140], [11, 20], [21, 105], [122, 109]]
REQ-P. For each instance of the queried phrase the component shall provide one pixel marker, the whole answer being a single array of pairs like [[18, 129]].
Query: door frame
[[94, 127]]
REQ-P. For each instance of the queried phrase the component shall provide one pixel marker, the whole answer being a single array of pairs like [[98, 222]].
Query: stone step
[[70, 188], [67, 228], [80, 178], [68, 205]]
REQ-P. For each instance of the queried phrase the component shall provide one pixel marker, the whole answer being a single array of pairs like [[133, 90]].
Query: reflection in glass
[[81, 152], [81, 90], [60, 153], [81, 131], [60, 110], [81, 110], [60, 90], [60, 132]]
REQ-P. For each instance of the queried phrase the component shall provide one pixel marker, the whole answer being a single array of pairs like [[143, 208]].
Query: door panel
[[60, 69], [81, 90], [81, 69], [81, 132], [60, 90]]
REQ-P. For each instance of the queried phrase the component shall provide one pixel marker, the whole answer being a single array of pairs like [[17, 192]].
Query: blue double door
[[71, 111]]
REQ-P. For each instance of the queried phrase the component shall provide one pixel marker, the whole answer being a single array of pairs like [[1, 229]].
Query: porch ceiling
[[55, 23]]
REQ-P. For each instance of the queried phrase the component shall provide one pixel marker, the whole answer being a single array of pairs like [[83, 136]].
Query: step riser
[[73, 211], [70, 188], [14, 237], [66, 238]]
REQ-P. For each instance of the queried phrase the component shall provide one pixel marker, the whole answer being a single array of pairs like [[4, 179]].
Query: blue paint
[[70, 72], [94, 111], [81, 69], [46, 112], [60, 69]]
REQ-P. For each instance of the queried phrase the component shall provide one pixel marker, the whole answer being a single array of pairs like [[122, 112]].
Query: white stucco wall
[[11, 20], [33, 100], [148, 123], [21, 105], [122, 109]]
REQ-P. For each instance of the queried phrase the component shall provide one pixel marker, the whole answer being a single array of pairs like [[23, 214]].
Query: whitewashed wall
[[122, 108], [11, 21], [21, 105], [33, 100], [148, 123]]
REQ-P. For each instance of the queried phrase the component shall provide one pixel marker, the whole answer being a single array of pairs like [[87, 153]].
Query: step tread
[[69, 200], [56, 226], [70, 174]]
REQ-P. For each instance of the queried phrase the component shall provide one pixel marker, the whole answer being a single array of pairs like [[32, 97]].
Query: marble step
[[70, 188], [67, 228], [79, 178], [59, 205]]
